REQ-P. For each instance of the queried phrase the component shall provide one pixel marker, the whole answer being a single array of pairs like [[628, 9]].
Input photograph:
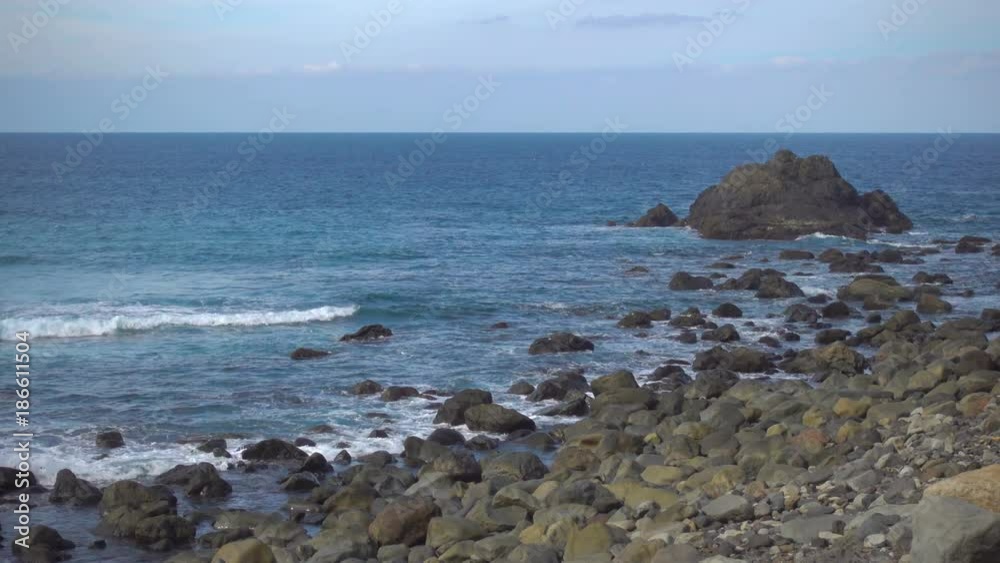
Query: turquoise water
[[163, 299]]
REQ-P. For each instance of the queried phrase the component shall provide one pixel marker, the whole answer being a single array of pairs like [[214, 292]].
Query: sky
[[755, 66]]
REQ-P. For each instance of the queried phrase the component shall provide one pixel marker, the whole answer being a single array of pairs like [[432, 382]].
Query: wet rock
[[728, 311], [45, 545], [777, 287], [521, 388], [788, 197], [932, 304], [146, 514], [970, 245], [683, 281], [560, 386], [711, 383], [398, 393], [621, 379], [452, 411], [800, 313], [110, 439], [446, 437], [366, 387], [791, 254], [342, 458], [659, 216], [249, 550], [494, 418], [725, 333], [273, 450], [519, 466], [740, 359], [560, 342], [308, 354], [198, 480], [831, 335], [836, 310], [924, 277], [69, 489], [636, 319], [367, 333]]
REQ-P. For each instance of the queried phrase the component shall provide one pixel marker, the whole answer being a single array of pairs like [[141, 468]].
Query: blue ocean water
[[165, 278]]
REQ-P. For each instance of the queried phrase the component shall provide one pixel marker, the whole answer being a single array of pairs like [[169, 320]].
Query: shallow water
[[167, 308]]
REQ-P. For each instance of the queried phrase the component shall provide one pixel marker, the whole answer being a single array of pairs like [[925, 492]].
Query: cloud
[[641, 20], [331, 66], [789, 60], [499, 18]]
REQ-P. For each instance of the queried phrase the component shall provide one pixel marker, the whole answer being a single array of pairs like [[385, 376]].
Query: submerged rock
[[308, 354], [788, 197]]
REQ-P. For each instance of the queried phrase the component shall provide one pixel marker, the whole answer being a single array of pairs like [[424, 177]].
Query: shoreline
[[690, 463]]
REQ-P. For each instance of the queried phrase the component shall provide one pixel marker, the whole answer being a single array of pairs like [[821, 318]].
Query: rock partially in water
[[683, 281], [71, 490], [110, 439], [367, 333], [494, 418], [659, 216], [559, 343], [308, 354], [273, 449], [788, 197]]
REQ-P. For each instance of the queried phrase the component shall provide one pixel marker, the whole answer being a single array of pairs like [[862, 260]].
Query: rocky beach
[[861, 424]]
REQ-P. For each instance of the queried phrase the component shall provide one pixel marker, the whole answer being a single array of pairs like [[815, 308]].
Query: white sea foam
[[104, 323]]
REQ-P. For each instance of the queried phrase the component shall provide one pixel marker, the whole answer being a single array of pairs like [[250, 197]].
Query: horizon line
[[458, 133]]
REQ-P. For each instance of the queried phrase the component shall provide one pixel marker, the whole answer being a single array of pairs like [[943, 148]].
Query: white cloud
[[331, 66]]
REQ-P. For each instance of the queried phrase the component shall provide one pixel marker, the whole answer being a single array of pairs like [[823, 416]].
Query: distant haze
[[758, 66]]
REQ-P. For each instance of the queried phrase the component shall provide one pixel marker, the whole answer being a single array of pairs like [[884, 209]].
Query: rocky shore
[[876, 444]]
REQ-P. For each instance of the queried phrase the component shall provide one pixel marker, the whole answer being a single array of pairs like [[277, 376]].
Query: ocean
[[165, 278]]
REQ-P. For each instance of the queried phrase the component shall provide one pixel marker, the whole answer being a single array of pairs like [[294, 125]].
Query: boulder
[[560, 386], [394, 393], [69, 489], [932, 304], [452, 411], [45, 545], [366, 387], [519, 466], [791, 254], [621, 379], [199, 480], [788, 197], [494, 418], [980, 487], [683, 281], [728, 311], [950, 530], [403, 521], [249, 550], [367, 333], [273, 450], [659, 216], [308, 354], [560, 342], [777, 287], [741, 359], [110, 439], [636, 319]]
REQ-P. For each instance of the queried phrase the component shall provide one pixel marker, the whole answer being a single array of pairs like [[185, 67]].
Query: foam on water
[[149, 318]]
